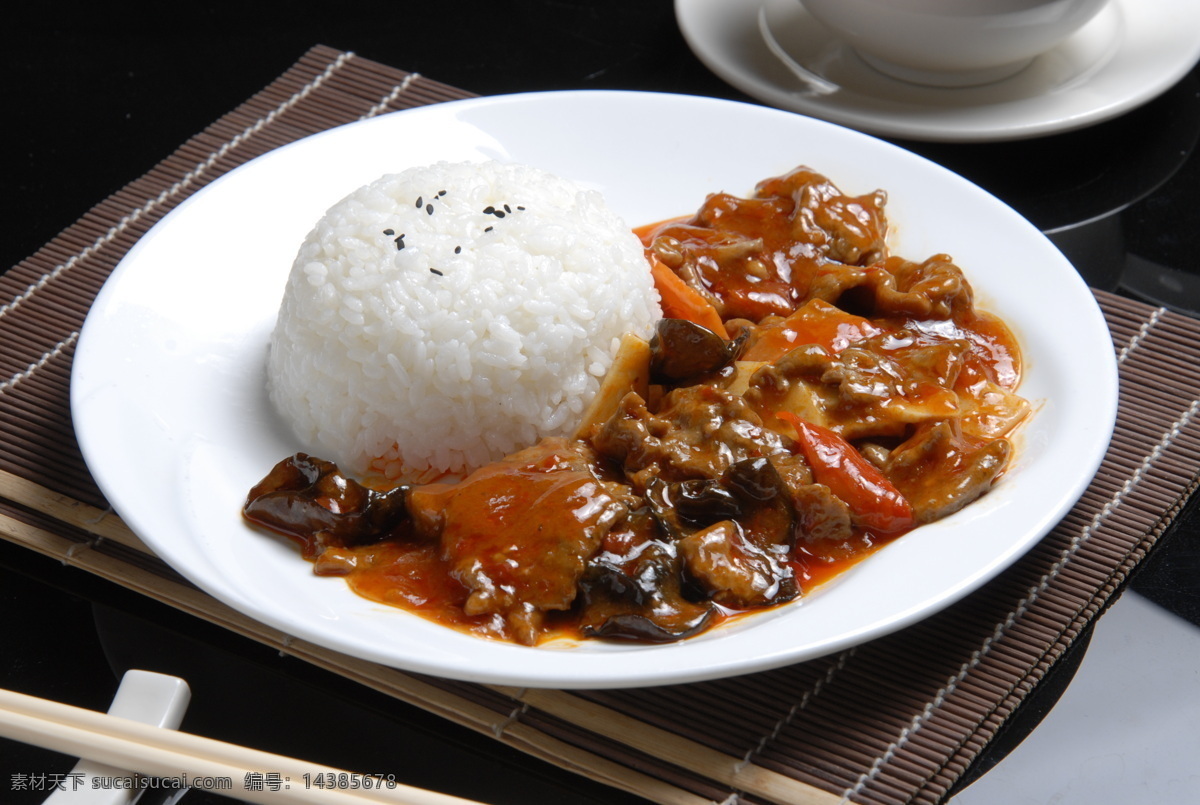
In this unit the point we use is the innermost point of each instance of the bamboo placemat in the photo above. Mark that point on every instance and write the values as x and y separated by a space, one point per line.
895 720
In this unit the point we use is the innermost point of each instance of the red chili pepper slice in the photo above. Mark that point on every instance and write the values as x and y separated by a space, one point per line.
876 504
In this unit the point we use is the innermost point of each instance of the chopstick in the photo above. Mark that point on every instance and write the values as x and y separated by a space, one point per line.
229 770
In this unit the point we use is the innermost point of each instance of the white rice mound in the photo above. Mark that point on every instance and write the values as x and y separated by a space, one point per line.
377 360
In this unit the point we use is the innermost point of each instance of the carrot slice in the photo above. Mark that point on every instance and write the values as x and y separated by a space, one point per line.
876 504
682 301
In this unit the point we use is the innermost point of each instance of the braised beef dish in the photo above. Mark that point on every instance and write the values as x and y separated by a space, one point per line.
807 398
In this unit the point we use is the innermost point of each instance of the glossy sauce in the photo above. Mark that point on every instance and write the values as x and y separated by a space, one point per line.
412 576
565 538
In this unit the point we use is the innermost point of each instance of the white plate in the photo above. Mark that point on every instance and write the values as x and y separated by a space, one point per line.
170 410
774 51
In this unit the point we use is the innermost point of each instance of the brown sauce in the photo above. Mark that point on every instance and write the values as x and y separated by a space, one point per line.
852 396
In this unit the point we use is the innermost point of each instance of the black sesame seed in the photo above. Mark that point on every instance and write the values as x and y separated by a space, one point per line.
488 229
441 192
429 209
420 202
520 208
458 249
389 231
507 208
488 210
499 213
435 271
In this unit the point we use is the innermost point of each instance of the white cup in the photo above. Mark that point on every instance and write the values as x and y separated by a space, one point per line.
952 43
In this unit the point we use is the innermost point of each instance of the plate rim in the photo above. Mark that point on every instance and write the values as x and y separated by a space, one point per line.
79 392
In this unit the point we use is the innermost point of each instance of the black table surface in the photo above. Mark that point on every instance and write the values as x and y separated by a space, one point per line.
97 94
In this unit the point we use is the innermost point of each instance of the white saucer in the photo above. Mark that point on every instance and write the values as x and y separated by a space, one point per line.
773 50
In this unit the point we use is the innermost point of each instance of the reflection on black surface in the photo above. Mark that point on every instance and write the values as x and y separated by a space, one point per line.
1162 285
1071 179
1110 217
1096 249
1169 575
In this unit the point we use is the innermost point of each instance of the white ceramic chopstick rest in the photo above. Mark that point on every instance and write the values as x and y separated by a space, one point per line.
156 699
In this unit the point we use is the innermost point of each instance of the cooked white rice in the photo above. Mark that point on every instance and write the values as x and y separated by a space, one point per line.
448 315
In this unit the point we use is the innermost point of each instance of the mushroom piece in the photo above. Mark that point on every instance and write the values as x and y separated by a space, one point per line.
310 500
681 349
640 597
